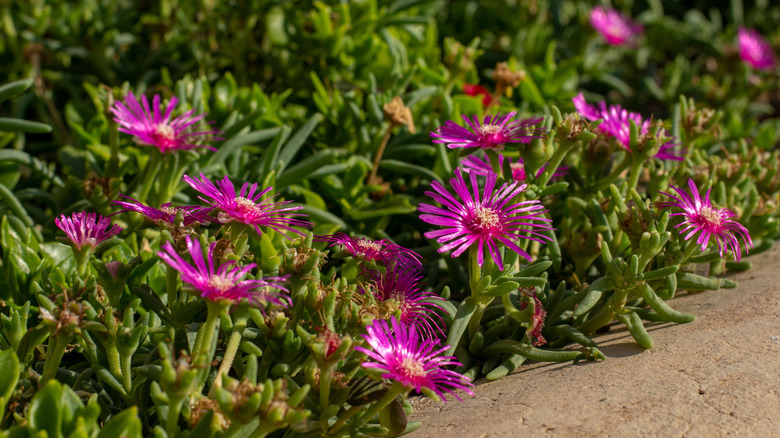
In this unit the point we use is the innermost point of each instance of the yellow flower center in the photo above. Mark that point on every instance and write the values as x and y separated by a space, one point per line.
710 215
413 367
165 131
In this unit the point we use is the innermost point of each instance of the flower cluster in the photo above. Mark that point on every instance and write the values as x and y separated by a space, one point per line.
153 128
494 132
485 220
700 216
381 251
248 207
222 282
403 357
616 122
616 28
166 214
755 50
86 229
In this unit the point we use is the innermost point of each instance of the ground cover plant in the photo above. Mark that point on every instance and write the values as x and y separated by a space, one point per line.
285 218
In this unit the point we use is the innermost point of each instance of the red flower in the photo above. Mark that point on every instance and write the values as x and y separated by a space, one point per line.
478 90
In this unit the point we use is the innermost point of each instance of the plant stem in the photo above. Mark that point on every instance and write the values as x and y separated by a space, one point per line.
380 152
171 285
54 353
392 393
475 271
230 352
344 418
150 177
174 410
126 361
636 170
206 333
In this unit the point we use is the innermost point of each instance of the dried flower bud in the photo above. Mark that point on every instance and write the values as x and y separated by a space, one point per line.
506 79
399 114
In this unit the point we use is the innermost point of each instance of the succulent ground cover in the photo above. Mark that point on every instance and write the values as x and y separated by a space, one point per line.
281 219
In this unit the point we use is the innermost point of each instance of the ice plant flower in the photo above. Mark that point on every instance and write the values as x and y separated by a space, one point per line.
755 50
222 282
398 290
481 166
700 216
166 214
616 28
486 220
494 132
617 123
86 229
381 251
478 90
152 128
398 352
247 207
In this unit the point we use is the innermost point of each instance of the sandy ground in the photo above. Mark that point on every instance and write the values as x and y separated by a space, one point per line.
716 376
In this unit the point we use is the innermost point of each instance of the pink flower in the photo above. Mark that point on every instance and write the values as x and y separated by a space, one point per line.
755 50
493 133
481 166
381 251
478 90
404 358
617 123
248 207
86 229
486 220
166 214
151 128
416 307
699 216
616 28
222 282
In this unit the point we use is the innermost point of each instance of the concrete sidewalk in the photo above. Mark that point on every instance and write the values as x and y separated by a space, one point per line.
716 376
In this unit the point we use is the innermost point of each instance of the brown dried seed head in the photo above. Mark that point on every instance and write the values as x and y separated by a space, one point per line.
399 114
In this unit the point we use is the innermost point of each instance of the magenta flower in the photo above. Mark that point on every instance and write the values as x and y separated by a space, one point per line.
616 28
414 363
247 207
414 305
481 166
484 220
87 229
222 282
755 50
699 216
616 123
151 128
493 133
382 251
166 214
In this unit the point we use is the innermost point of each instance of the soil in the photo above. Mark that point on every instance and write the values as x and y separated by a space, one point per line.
716 376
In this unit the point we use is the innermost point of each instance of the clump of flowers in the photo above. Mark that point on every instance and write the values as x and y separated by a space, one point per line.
485 220
401 356
398 291
247 207
481 166
153 128
86 229
755 50
166 214
494 132
382 251
616 122
616 28
222 282
700 216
